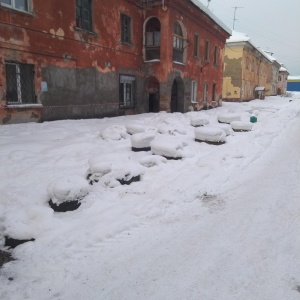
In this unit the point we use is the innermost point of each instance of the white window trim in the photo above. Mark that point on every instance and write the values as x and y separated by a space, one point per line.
13 6
194 92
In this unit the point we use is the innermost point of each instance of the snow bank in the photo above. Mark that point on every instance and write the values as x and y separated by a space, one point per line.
98 168
171 129
210 134
67 189
228 117
114 132
198 121
142 140
167 146
133 128
225 127
241 125
153 160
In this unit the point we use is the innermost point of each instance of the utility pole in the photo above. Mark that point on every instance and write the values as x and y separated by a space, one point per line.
234 19
208 1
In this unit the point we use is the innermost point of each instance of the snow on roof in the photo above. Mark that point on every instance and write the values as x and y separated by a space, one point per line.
283 69
269 55
297 77
238 37
242 37
211 15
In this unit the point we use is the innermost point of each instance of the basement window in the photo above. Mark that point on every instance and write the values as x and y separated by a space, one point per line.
19 83
126 90
23 5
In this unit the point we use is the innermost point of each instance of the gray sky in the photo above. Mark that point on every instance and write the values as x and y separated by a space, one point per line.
271 24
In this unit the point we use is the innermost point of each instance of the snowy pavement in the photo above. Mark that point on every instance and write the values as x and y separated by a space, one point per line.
222 223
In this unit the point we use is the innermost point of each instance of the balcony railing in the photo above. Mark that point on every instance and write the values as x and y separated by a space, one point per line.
152 53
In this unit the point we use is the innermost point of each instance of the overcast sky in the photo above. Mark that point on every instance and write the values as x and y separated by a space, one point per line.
271 24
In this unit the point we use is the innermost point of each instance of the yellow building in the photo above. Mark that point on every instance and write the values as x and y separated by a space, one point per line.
245 69
272 74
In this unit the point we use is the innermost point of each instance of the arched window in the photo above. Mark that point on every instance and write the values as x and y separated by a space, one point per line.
177 43
152 39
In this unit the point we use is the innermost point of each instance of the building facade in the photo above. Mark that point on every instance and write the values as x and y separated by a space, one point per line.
272 74
293 84
99 58
245 69
282 80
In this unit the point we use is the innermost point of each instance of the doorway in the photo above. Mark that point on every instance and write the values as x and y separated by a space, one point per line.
153 94
177 95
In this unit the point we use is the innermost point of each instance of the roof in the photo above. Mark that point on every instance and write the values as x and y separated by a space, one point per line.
238 37
211 15
269 55
283 69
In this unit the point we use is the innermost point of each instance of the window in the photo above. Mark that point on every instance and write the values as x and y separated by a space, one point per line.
196 45
177 43
205 93
214 89
279 78
152 39
216 56
84 14
252 65
206 53
19 83
194 91
126 90
17 4
125 29
247 63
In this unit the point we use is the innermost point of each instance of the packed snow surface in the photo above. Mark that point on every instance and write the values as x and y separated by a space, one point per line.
221 223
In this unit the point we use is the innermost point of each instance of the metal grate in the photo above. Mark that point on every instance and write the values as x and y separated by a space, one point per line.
19 83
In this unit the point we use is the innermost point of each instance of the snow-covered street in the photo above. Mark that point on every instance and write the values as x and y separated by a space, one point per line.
221 223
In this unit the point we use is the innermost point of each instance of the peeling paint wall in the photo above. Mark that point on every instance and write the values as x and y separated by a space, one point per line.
80 69
245 68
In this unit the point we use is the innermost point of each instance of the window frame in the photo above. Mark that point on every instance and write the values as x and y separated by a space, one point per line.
214 92
216 53
196 44
205 92
13 6
194 91
178 43
126 35
24 79
79 17
206 50
126 85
